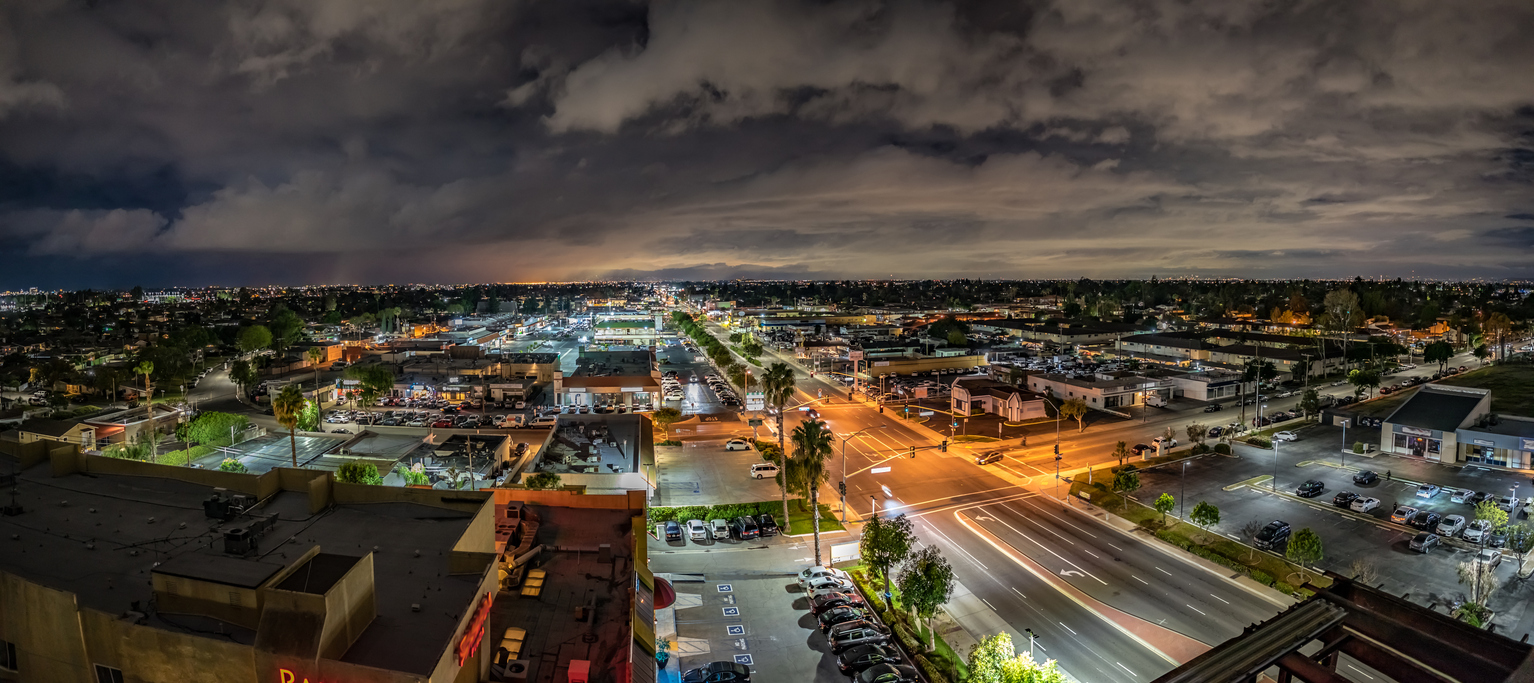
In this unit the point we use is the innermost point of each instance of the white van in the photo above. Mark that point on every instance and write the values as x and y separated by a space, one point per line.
544 422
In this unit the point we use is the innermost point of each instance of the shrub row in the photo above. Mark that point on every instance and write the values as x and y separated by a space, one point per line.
1222 448
707 512
1259 442
934 673
906 638
770 452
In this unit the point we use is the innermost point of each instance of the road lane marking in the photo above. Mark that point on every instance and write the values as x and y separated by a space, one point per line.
1019 593
1117 548
1052 552
1195 609
1066 627
1062 521
988 604
1091 553
1212 595
1163 571
961 548
1139 579
1121 666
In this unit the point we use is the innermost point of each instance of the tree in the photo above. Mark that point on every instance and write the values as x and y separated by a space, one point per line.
995 660
374 381
244 375
412 477
1121 451
146 368
1249 530
255 338
777 390
542 481
315 355
1164 504
886 543
664 417
957 339
1310 402
1498 327
1075 409
1480 353
812 447
925 584
215 427
1341 313
1205 515
358 472
1126 481
1520 539
735 337
1482 578
288 403
1489 511
1363 380
232 465
1440 352
1197 433
285 329
1364 571
1304 550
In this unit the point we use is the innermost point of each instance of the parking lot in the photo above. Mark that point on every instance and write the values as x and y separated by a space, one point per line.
1347 537
704 473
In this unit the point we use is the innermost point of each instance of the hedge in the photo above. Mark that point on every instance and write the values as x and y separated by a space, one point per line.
934 673
1358 447
1222 448
907 638
1259 442
707 512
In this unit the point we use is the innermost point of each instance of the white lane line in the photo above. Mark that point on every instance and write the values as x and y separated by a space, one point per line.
1039 645
1052 552
961 548
1062 520
1019 593
1212 595
988 604
1139 579
1090 553
1163 571
1195 609
1062 624
1117 548
1121 666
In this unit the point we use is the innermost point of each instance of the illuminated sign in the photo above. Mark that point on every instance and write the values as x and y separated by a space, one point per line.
469 643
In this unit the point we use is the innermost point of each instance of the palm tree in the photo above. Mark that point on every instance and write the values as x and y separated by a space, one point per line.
287 406
812 446
316 355
777 389
146 368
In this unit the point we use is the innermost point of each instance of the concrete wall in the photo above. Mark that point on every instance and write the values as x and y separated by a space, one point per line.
462 501
44 625
350 606
261 486
633 500
221 601
28 454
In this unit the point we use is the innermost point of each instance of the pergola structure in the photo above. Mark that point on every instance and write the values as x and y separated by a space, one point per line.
1407 642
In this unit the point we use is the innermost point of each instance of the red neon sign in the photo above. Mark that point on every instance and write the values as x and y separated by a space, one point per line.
287 676
469 643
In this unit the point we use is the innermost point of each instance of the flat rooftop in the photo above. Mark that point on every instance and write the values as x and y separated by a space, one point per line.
595 444
100 535
614 364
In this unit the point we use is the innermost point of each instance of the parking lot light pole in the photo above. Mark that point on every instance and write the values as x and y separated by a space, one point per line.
1343 458
1275 465
845 439
1182 504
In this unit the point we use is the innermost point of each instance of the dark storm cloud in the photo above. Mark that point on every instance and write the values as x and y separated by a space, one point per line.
459 140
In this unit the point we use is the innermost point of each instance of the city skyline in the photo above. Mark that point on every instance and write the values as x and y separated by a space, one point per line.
473 142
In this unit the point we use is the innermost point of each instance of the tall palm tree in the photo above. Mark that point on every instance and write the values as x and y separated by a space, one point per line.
812 447
146 368
287 406
316 355
777 390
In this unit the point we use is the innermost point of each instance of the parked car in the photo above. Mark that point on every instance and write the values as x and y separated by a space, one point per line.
839 615
1489 556
1507 503
719 672
719 528
1496 538
1286 436
1140 449
1310 489
843 637
1463 496
818 571
1403 514
856 660
828 584
744 528
1168 442
888 673
1365 478
1344 499
1451 526
1477 531
1364 504
737 445
763 470
1424 542
1424 520
1428 490
988 457
1274 536
697 531
672 531
1212 408
766 525
822 603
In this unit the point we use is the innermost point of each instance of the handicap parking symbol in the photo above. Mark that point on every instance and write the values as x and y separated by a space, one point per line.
725 588
743 659
735 630
732 611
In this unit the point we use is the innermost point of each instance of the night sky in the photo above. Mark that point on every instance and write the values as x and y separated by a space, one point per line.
376 141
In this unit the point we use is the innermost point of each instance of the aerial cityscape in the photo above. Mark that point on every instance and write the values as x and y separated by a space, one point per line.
611 341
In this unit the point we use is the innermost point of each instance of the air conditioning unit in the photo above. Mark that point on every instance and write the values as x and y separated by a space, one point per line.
239 542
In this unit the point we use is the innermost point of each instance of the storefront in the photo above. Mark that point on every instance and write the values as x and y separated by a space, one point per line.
1428 425
1509 443
1420 443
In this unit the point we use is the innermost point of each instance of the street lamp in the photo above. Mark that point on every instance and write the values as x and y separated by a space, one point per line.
843 490
1343 458
1275 465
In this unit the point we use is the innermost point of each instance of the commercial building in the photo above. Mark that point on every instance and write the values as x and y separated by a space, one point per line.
166 574
1101 391
627 379
1427 425
985 395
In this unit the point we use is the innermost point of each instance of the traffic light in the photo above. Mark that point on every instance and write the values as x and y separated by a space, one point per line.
943 447
841 487
913 451
881 410
1057 449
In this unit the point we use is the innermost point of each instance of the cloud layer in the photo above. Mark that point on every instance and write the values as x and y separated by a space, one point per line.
472 140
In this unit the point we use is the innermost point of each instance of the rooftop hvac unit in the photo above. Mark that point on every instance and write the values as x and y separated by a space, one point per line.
216 507
239 542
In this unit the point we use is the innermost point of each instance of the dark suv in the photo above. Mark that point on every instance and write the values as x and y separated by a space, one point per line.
766 525
1274 536
1425 520
744 528
1310 489
1344 499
